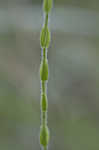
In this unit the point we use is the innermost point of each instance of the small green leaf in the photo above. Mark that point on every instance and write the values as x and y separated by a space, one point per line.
44 70
44 136
47 5
44 104
45 37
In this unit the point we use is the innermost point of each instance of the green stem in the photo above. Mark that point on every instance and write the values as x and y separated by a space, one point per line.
46 20
43 87
44 118
44 53
45 40
45 148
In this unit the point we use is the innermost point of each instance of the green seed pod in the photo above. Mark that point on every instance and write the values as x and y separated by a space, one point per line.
47 5
44 70
44 104
45 37
44 136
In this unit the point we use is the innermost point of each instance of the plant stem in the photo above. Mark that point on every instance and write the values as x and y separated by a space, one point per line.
45 40
45 148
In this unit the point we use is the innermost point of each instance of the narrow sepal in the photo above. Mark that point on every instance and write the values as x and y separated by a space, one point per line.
47 5
44 136
44 70
45 37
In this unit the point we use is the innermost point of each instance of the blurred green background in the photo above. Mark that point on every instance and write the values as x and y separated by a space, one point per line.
73 87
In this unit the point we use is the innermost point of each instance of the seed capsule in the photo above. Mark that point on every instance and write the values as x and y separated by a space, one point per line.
44 136
44 104
44 70
45 37
47 5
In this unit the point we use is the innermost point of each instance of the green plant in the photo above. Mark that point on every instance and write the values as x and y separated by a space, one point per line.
44 42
